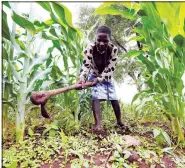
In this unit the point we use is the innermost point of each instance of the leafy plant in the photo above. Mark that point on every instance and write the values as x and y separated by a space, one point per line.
161 136
24 63
162 34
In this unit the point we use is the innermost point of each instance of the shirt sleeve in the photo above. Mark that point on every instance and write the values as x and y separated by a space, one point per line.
108 72
87 62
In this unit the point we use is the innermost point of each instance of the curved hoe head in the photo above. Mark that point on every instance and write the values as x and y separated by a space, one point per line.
38 98
44 111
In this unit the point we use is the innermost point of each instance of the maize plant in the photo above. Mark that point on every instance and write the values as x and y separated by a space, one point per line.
30 54
70 45
161 31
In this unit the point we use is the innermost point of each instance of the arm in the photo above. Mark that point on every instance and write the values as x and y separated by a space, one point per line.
108 72
86 63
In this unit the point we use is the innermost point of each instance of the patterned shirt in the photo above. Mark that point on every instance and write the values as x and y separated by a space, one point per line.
89 64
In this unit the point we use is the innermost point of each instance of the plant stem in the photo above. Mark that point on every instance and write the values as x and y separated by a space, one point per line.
20 114
179 130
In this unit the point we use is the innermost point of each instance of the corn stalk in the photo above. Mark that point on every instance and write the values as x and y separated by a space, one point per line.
162 34
30 69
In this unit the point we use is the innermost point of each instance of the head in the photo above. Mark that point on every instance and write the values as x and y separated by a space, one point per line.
103 35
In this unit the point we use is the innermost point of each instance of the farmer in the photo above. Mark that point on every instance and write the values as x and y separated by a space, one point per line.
99 63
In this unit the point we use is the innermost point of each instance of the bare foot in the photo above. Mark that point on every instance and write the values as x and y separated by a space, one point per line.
97 128
121 124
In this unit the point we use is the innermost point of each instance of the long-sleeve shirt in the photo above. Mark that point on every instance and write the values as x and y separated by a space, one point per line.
90 66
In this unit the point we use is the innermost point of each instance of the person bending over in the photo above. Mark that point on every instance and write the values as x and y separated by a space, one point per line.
99 63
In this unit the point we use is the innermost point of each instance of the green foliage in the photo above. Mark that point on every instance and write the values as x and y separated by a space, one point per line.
32 152
129 14
164 63
24 23
66 139
88 22
26 66
120 27
163 77
161 136
82 147
6 33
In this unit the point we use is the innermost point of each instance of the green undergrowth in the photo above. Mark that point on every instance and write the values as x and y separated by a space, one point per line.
65 142
51 145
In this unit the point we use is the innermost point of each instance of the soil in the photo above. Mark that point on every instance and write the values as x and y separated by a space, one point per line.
101 160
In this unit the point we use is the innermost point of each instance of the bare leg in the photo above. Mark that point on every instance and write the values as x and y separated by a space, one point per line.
96 113
117 111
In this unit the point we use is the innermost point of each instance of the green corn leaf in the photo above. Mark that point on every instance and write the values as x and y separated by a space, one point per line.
5 32
139 94
71 33
38 84
38 75
24 23
6 3
148 23
56 73
48 62
134 53
48 37
152 14
45 5
15 73
114 11
169 18
66 14
38 60
53 32
132 5
56 44
182 18
59 14
21 44
49 22
163 71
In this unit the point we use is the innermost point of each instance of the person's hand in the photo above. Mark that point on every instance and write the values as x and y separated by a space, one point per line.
82 83
95 81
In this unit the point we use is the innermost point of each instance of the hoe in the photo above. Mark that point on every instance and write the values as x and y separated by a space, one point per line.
41 98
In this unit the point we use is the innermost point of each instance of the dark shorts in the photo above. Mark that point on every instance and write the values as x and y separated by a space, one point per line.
103 90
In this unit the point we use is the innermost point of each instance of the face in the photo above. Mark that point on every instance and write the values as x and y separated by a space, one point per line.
102 41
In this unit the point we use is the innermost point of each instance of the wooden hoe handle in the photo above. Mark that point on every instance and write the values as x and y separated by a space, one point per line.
41 97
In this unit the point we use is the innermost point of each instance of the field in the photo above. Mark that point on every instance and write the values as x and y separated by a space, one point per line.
43 50
112 147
